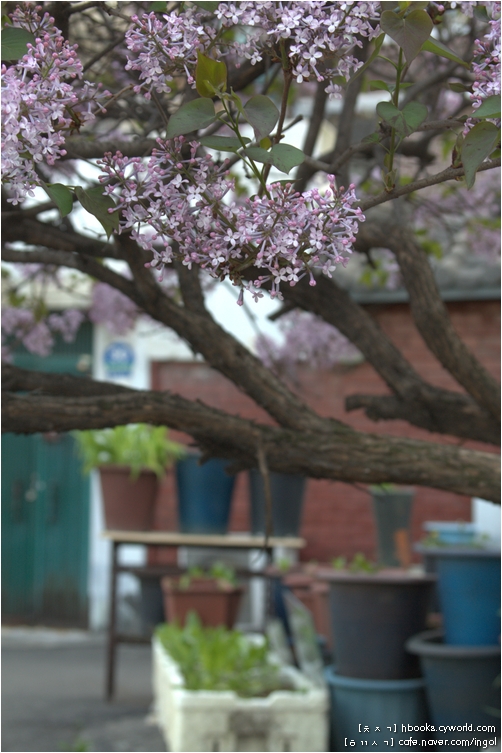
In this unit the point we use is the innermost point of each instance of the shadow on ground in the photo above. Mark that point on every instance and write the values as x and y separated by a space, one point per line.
52 695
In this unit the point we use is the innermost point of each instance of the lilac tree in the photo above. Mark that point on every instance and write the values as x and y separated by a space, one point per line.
183 112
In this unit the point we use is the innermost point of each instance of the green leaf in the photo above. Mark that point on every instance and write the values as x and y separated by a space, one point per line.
285 157
262 114
265 143
96 203
414 114
410 33
209 6
257 154
405 121
210 75
373 138
490 108
199 113
61 196
223 143
14 43
438 48
378 46
455 86
159 7
378 85
478 145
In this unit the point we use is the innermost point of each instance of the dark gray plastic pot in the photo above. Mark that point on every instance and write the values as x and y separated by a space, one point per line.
287 503
372 617
462 683
392 511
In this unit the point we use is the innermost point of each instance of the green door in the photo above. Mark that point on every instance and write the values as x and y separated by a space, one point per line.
45 513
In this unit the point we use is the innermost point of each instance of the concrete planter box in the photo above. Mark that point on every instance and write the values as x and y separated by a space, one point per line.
223 721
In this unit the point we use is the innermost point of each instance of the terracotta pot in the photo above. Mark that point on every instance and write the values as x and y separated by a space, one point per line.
215 603
128 503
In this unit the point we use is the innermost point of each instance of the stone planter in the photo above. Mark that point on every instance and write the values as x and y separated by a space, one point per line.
128 503
194 720
372 616
216 603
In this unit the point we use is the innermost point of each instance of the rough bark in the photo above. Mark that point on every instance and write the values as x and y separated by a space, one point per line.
335 453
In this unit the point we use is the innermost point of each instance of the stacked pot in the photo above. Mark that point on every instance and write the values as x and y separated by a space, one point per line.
375 682
461 663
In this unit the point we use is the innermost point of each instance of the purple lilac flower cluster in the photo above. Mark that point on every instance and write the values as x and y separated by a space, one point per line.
486 64
37 335
309 32
112 309
308 340
39 102
162 48
173 205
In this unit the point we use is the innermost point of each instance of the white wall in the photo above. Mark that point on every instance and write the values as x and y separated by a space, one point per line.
486 518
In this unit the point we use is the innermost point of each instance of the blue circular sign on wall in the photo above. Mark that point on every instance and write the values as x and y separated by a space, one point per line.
118 359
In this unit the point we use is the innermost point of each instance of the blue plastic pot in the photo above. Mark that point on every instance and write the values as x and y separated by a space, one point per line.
204 495
356 703
451 532
469 594
461 684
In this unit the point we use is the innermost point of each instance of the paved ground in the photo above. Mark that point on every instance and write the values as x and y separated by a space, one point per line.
52 694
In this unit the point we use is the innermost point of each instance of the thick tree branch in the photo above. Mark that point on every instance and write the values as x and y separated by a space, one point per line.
454 414
431 316
343 456
221 350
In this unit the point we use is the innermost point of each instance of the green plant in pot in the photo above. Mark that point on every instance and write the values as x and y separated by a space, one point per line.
217 689
213 594
131 459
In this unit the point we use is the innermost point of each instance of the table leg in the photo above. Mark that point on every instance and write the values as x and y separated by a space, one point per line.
112 642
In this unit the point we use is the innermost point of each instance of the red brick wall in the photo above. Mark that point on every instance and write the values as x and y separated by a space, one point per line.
338 517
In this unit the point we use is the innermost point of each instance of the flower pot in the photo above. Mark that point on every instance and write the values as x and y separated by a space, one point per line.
469 593
216 603
451 532
128 503
287 503
461 683
376 704
204 495
202 720
372 616
392 511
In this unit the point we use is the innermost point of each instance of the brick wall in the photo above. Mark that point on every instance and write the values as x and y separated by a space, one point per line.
338 517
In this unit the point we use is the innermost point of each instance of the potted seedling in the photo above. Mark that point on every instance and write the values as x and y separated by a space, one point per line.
216 689
131 459
214 595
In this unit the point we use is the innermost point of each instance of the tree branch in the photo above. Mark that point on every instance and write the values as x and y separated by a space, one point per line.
431 316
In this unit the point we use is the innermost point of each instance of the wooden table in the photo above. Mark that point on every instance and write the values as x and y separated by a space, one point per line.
237 541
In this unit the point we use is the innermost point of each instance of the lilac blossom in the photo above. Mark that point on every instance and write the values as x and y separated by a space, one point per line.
486 64
113 309
307 32
37 334
181 198
40 102
308 341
